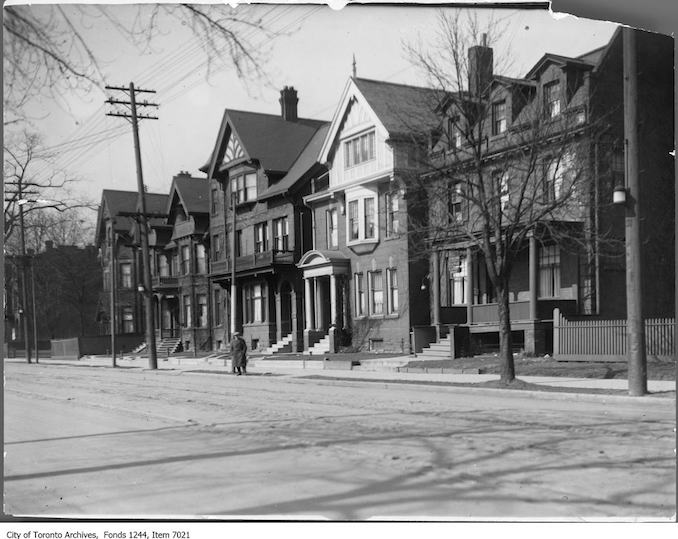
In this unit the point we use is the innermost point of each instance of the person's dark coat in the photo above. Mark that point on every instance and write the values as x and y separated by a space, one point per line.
239 352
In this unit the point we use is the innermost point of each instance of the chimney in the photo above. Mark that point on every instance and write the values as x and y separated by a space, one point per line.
480 60
288 103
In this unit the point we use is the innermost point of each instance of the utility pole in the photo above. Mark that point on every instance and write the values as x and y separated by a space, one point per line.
113 283
35 316
234 289
143 221
637 360
24 277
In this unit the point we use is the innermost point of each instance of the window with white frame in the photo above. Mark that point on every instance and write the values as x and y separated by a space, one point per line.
549 271
376 291
362 218
281 235
200 259
453 134
392 283
359 281
359 149
552 99
498 117
245 187
255 300
332 229
260 237
391 205
559 178
370 218
202 310
353 221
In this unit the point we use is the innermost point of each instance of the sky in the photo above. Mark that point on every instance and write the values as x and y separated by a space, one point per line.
314 53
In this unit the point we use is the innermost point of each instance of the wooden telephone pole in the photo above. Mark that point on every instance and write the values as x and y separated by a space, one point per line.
637 359
147 292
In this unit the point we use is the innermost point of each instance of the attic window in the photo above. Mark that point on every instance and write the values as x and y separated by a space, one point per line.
498 117
552 99
359 149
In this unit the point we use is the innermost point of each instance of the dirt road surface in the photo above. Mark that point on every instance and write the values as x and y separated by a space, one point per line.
87 441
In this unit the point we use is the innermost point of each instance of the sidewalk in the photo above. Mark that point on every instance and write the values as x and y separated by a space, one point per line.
318 367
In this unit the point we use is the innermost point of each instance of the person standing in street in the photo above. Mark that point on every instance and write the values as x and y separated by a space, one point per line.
239 353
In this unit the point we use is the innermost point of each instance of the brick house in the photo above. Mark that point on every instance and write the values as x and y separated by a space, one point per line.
362 284
180 266
125 255
258 226
580 100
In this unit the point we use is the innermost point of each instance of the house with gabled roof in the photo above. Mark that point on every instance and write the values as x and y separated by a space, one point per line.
180 267
257 172
362 282
119 252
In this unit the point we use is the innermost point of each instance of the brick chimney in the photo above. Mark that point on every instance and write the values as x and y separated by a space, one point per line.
480 60
288 103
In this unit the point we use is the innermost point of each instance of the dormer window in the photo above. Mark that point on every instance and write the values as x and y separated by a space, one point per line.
498 117
453 134
359 149
552 99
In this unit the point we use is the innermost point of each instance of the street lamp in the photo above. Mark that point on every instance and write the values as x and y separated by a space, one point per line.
619 195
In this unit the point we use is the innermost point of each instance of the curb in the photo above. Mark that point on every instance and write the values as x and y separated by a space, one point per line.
542 395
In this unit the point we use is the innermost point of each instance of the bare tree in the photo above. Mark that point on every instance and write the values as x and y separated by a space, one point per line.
47 50
32 185
494 176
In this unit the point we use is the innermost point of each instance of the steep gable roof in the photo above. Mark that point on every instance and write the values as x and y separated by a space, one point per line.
271 140
192 192
402 109
115 201
309 157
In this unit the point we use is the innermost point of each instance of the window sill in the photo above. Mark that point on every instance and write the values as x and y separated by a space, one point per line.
370 241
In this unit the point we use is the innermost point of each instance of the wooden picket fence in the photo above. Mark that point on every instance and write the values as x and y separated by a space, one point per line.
605 340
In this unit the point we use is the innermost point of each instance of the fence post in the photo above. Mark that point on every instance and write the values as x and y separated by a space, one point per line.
556 331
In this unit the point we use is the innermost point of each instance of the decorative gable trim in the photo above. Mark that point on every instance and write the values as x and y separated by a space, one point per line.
350 98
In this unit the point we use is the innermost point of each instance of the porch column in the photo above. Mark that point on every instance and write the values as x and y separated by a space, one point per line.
334 345
469 292
533 261
435 289
278 315
160 313
307 302
333 300
346 302
319 311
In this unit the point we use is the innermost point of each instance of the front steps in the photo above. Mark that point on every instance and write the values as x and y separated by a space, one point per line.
321 347
164 348
436 350
281 347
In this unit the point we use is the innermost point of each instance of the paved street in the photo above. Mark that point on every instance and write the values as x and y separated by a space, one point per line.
97 441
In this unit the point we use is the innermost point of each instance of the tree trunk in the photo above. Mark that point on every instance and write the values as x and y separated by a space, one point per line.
508 372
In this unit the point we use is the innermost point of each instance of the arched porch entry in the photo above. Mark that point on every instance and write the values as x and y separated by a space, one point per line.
325 276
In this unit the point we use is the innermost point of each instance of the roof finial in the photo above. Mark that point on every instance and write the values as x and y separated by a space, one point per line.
354 69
